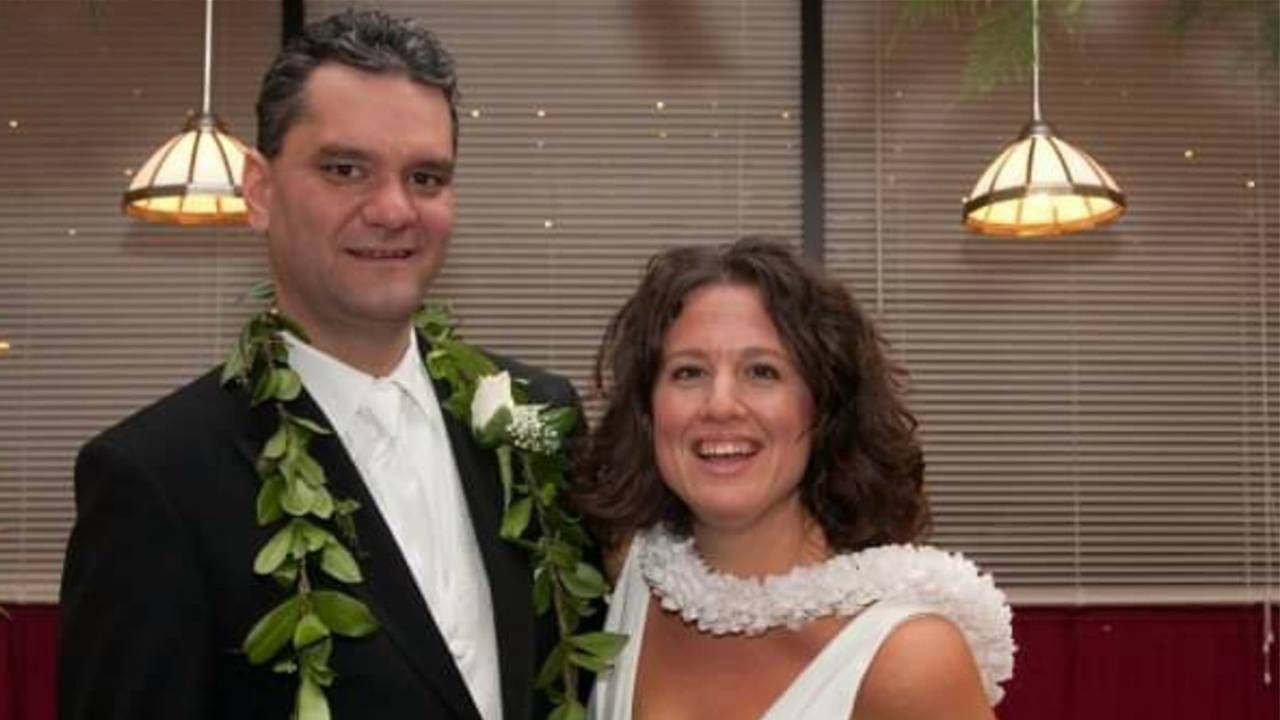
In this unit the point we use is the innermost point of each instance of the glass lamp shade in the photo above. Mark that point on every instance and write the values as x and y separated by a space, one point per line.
194 178
1040 185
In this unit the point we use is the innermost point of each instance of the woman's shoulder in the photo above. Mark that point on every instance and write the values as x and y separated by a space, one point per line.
978 621
924 668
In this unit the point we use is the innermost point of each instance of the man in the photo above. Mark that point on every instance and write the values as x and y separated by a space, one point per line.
352 185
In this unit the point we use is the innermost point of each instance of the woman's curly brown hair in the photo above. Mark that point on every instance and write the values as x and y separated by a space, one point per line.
864 483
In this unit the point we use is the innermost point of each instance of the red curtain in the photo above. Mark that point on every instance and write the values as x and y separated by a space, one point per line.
1094 663
28 645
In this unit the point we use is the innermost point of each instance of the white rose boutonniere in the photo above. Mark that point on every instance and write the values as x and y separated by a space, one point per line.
492 403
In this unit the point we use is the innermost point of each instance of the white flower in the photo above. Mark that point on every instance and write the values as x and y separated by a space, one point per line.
843 585
493 393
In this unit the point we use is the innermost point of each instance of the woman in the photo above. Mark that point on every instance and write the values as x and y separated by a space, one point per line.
752 476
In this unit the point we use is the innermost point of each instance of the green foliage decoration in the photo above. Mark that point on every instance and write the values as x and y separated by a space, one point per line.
297 635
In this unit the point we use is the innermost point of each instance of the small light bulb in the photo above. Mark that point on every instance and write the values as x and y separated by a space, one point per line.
72 232
475 113
1250 184
542 113
4 346
786 115
548 224
1189 154
660 105
662 134
13 124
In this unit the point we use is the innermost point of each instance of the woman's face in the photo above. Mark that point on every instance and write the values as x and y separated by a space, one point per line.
731 412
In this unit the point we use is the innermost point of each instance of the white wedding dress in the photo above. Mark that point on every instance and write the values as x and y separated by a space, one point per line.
828 686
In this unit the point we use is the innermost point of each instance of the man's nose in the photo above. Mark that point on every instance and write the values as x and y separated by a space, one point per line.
390 206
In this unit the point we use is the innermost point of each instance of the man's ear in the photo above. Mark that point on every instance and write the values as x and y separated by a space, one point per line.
257 190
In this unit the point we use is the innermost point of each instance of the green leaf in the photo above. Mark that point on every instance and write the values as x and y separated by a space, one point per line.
516 518
589 662
571 709
310 629
269 509
235 365
560 419
285 667
263 291
339 564
316 661
264 388
288 385
276 446
313 536
311 425
601 645
297 496
343 614
553 667
272 631
274 553
494 432
310 470
322 505
472 363
584 582
541 591
287 573
561 554
312 704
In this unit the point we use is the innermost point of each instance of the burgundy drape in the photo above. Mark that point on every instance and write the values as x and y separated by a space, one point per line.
1094 663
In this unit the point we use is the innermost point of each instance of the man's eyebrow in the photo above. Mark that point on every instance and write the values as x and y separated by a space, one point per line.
444 167
342 151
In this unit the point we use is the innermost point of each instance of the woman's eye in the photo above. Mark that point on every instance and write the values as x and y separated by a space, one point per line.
686 372
763 371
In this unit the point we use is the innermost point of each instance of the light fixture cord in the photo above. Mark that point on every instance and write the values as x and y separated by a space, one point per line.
1035 60
208 52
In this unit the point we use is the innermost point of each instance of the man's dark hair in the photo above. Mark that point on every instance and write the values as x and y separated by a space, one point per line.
368 40
863 483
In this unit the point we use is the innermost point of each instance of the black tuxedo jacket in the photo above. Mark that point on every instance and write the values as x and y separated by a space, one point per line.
158 589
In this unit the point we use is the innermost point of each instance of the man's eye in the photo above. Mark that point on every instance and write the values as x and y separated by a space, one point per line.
346 171
428 179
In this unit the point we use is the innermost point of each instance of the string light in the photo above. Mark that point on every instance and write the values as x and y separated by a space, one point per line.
660 105
475 113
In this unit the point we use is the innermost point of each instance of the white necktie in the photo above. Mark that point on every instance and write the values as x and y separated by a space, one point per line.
380 416
392 478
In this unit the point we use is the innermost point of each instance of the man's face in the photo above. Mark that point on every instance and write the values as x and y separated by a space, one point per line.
358 205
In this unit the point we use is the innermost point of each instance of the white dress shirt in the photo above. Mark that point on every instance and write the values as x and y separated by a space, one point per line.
394 431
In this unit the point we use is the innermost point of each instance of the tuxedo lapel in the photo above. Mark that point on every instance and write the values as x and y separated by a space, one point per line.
388 588
507 566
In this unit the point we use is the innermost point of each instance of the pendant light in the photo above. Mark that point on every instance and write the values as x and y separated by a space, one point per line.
1040 184
194 178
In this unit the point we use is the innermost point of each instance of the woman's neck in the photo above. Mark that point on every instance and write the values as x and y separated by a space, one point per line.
771 547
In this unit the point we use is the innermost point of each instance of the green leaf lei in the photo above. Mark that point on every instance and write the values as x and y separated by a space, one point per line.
298 633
